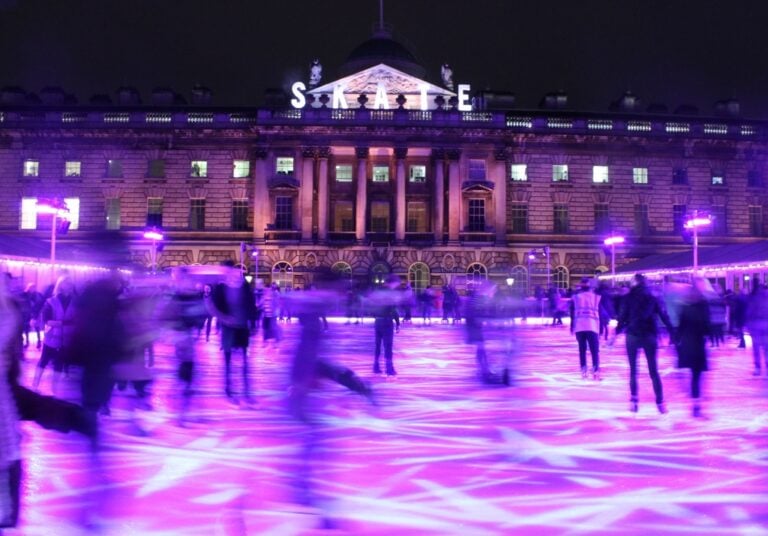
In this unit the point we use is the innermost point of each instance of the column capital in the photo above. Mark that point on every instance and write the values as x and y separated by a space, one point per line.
323 153
401 152
309 152
453 154
501 153
260 153
438 153
361 152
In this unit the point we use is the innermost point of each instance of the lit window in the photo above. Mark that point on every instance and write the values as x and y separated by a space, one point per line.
113 213
639 175
560 277
343 217
155 212
380 217
197 214
72 168
718 178
476 215
343 173
31 168
284 213
560 173
198 168
476 273
417 173
519 172
241 169
600 174
284 165
73 214
28 213
476 170
418 276
416 218
156 168
240 215
114 168
380 173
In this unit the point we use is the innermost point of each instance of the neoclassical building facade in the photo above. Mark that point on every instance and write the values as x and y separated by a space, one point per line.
381 171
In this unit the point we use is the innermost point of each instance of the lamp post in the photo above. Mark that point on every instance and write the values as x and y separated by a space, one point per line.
693 224
612 241
57 210
154 236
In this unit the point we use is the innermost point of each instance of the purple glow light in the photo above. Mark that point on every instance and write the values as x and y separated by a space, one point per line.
613 240
698 222
153 235
44 208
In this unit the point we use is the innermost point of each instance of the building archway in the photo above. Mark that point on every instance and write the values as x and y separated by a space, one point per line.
476 274
282 274
342 269
418 276
561 277
519 286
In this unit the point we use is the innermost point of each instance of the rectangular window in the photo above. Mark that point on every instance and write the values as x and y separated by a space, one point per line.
380 216
519 172
284 165
343 217
73 212
560 173
602 218
476 216
755 179
416 217
380 173
284 213
156 168
28 213
197 214
198 168
31 168
417 173
756 220
560 219
343 173
719 221
476 169
642 224
519 218
680 176
113 214
155 212
678 217
241 169
639 175
240 215
72 168
600 174
718 178
114 169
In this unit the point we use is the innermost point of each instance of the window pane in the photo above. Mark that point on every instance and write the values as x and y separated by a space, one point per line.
476 170
380 217
679 176
28 213
600 174
476 215
519 218
31 168
73 204
416 221
640 175
718 178
284 213
719 221
678 217
72 169
155 212
197 214
113 213
198 168
284 165
417 173
560 173
519 172
343 217
642 225
343 173
756 220
241 169
240 215
114 168
380 173
156 168
602 218
561 219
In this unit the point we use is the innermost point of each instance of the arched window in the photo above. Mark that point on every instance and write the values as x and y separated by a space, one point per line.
282 274
418 276
342 269
379 272
560 277
476 273
520 284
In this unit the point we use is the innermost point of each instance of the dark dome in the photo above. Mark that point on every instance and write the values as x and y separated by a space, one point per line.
381 48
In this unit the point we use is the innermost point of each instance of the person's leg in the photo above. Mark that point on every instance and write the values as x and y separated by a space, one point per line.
227 369
696 391
756 352
389 335
379 337
632 349
45 357
581 339
650 346
246 378
593 340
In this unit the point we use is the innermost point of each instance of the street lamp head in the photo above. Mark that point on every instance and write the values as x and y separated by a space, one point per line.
613 240
52 208
699 221
153 235
532 256
510 281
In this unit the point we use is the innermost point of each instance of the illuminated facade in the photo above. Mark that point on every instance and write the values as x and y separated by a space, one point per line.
382 171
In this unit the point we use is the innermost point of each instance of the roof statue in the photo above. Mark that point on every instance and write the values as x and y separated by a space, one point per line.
315 73
447 73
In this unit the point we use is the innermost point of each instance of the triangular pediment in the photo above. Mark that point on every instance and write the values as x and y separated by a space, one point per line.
395 82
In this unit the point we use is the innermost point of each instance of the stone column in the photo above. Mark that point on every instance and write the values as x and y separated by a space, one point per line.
439 202
261 213
322 193
305 193
361 180
499 177
400 205
454 196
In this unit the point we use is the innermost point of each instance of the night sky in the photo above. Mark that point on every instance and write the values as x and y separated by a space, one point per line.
672 52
